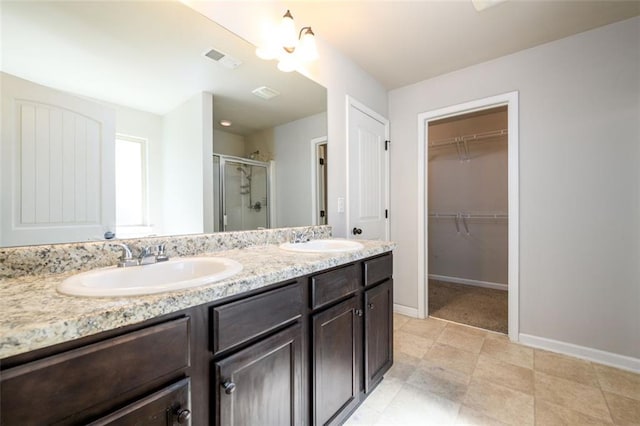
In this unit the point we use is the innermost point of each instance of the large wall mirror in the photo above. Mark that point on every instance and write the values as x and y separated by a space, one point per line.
147 118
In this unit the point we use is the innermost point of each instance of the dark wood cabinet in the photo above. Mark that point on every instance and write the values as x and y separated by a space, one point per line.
79 385
305 351
262 384
167 407
352 329
378 333
337 361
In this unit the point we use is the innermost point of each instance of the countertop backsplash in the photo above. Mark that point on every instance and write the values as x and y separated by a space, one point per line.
22 261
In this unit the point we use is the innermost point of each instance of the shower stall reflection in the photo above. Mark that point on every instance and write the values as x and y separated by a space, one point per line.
241 193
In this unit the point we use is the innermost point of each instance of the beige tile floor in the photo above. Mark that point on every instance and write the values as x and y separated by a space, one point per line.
445 373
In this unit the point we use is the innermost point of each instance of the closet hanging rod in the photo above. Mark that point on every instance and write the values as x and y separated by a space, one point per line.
468 138
470 215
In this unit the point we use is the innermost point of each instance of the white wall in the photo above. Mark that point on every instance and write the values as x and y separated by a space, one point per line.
188 165
579 182
262 141
339 74
226 143
293 168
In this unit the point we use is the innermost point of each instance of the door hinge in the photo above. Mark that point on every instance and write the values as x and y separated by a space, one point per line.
322 213
386 145
321 161
386 213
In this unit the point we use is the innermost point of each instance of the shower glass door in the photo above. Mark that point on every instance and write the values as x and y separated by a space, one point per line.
243 194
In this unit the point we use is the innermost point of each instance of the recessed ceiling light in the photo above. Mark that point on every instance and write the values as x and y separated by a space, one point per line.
225 123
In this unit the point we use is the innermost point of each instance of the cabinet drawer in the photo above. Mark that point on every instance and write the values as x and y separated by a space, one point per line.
71 382
334 285
169 406
378 269
240 321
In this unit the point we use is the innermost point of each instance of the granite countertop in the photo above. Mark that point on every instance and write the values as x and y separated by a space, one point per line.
34 315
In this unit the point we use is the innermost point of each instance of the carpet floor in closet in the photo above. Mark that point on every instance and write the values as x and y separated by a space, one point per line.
480 307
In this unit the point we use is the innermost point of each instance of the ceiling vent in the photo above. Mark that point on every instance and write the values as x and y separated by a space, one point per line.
265 92
223 59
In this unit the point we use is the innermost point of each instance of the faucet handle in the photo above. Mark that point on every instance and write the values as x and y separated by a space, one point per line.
161 256
145 251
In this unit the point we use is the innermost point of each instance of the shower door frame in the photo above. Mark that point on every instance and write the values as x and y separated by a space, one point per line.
222 188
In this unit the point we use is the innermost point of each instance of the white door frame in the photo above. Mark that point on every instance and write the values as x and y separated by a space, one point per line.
511 101
314 176
351 102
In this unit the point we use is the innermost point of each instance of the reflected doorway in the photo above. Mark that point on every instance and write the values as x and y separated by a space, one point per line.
319 158
241 193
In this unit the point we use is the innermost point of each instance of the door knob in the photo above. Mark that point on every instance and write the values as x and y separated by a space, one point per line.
229 387
356 231
183 416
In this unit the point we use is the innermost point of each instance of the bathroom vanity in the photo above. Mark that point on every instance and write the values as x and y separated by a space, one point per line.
303 345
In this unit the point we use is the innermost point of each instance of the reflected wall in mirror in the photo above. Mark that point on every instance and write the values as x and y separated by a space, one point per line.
110 119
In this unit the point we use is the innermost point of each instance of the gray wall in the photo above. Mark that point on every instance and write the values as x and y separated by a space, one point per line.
579 182
293 168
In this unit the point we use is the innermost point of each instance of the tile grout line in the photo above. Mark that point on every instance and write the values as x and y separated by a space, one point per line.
606 401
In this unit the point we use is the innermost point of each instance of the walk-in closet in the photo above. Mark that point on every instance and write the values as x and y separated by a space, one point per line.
468 220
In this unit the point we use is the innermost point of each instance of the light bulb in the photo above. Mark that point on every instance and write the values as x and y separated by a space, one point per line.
287 64
308 51
288 36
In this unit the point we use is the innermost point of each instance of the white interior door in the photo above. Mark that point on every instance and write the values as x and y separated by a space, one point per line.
58 171
368 174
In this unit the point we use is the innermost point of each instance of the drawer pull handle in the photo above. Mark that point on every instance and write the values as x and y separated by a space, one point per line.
370 305
183 416
229 387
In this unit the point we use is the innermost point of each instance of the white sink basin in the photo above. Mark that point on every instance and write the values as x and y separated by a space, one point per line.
175 274
323 246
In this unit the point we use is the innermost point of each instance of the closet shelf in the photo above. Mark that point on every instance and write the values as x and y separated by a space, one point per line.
476 137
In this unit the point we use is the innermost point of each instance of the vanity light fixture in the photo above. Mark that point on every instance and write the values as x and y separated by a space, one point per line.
225 123
288 46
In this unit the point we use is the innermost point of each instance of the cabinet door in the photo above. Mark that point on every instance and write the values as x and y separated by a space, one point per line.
262 384
337 361
170 406
378 333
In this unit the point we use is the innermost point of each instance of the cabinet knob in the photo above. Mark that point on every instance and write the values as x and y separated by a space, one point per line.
359 312
370 305
183 416
229 387
356 231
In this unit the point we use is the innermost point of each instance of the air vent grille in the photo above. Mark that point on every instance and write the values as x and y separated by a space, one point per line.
223 59
214 54
265 92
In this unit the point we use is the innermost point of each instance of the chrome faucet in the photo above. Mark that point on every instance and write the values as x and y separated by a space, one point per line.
146 256
127 258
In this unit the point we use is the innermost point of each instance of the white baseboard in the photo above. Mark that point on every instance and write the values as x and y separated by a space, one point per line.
405 310
466 281
590 354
